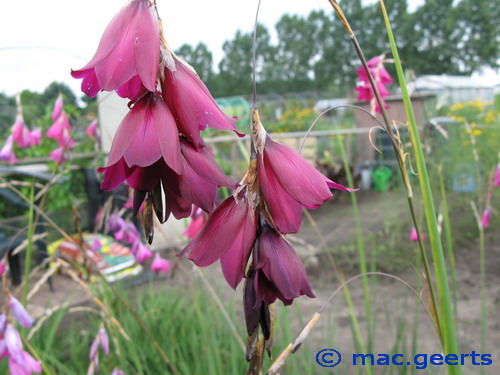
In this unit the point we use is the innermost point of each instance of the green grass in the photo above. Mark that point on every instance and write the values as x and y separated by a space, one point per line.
186 323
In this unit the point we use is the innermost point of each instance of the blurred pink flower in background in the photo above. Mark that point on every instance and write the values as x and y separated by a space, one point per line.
60 129
59 155
35 137
92 129
485 220
159 264
414 235
104 339
11 346
129 47
96 244
117 371
141 252
3 267
198 219
21 133
58 107
7 151
382 80
20 313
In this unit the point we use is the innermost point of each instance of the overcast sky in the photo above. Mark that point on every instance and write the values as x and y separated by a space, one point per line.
41 40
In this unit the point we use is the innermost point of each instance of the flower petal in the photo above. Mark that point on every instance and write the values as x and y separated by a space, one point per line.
285 210
217 236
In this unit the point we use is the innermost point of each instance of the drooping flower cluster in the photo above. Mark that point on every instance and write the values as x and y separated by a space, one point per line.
253 221
11 346
157 149
21 136
382 79
101 340
60 130
126 231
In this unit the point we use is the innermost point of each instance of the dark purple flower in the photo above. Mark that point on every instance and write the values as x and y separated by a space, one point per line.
279 271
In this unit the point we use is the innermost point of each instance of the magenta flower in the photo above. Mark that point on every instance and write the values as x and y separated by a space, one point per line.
117 371
496 181
3 324
414 235
14 344
92 129
279 271
58 107
60 129
96 244
192 104
129 47
198 219
147 150
127 233
3 349
3 267
7 151
141 252
58 155
20 313
21 133
485 220
147 138
201 177
382 80
104 340
159 264
228 235
35 137
28 366
288 183
115 222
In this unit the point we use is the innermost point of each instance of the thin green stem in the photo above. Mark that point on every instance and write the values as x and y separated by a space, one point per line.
449 241
446 310
360 243
484 296
29 246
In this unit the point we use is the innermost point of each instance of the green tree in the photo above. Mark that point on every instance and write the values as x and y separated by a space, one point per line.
235 76
478 25
200 58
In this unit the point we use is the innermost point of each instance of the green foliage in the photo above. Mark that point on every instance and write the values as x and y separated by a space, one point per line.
187 324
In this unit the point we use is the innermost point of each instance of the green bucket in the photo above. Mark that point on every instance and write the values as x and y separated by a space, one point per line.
381 177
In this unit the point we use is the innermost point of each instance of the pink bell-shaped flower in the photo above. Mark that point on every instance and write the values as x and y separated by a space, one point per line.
228 235
21 133
485 220
7 151
288 182
160 265
92 129
129 47
191 103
